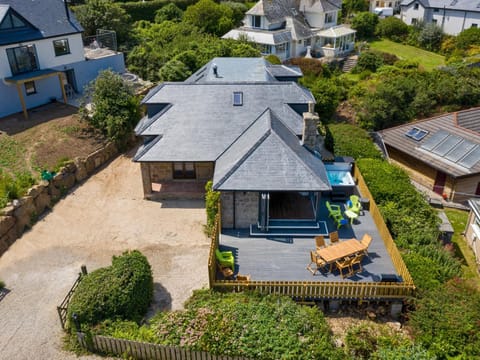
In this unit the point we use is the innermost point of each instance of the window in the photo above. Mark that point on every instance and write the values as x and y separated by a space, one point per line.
474 25
415 7
308 42
30 88
280 48
414 21
436 10
184 170
265 49
328 18
22 59
434 21
61 47
12 21
238 98
416 133
477 191
377 4
256 21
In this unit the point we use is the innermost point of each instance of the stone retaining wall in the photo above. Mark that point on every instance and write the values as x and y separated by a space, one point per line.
22 213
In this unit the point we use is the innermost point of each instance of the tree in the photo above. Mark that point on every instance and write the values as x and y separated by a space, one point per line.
115 108
365 23
468 38
392 28
169 12
103 14
353 6
430 37
210 17
368 60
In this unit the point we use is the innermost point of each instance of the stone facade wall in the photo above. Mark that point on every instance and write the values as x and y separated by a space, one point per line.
160 172
245 209
204 171
22 213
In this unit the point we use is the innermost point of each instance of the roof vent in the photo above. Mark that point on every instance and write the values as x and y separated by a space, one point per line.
215 70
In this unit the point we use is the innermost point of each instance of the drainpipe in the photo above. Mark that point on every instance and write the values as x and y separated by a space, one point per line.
234 220
66 9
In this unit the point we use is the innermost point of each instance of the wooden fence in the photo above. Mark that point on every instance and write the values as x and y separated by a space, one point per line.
305 291
144 351
63 307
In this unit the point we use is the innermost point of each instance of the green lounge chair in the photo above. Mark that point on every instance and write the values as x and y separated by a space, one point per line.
354 204
333 210
225 258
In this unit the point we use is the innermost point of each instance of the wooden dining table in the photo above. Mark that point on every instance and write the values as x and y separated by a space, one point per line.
339 250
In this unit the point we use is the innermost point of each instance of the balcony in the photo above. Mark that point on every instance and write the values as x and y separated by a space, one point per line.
103 44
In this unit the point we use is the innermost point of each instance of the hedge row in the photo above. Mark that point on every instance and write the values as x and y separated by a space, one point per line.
123 290
146 10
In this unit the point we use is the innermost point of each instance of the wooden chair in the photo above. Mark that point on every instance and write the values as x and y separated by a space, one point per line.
345 263
317 261
320 242
366 241
243 277
357 261
333 237
226 271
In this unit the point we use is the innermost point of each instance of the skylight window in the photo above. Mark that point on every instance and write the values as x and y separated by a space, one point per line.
238 98
416 134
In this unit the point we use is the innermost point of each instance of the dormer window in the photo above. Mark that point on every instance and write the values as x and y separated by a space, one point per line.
12 21
256 21
328 18
237 98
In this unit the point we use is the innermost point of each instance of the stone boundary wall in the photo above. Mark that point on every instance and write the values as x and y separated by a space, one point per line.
23 213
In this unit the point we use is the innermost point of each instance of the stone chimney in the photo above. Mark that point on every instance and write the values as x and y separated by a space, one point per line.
310 122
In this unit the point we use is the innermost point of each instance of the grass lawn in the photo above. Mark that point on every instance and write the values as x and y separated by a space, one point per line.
458 219
425 58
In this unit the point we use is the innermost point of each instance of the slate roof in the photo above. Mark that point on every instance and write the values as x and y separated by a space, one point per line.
260 36
242 70
266 157
202 121
396 138
462 5
321 5
469 119
47 17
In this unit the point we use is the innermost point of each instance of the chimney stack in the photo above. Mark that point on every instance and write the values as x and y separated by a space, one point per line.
310 122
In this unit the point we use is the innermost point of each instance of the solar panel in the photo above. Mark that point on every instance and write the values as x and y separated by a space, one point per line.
446 145
471 159
434 140
460 150
238 98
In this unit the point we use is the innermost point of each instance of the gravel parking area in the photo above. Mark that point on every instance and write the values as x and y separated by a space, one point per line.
103 217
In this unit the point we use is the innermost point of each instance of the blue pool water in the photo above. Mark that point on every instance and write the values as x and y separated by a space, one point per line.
340 177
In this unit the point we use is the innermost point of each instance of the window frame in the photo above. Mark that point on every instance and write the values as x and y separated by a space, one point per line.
329 17
415 6
237 98
254 21
10 17
12 55
30 90
183 173
67 47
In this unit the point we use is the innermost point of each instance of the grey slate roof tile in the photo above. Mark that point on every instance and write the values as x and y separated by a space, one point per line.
47 16
268 156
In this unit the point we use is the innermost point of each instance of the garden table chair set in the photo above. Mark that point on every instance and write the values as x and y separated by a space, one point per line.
345 256
353 208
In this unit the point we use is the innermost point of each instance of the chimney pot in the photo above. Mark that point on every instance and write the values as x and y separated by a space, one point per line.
311 107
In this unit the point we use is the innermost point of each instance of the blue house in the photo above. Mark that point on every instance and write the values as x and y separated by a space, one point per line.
43 56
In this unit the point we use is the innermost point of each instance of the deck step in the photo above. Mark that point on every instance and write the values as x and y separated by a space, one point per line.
294 224
290 231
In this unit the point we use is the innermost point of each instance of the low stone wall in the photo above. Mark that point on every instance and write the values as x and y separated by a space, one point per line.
23 213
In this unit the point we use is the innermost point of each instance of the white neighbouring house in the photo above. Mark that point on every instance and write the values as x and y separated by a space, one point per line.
43 57
394 4
286 28
452 16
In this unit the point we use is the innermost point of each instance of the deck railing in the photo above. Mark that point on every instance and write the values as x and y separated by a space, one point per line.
311 290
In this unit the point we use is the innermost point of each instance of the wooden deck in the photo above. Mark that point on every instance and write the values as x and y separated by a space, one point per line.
286 258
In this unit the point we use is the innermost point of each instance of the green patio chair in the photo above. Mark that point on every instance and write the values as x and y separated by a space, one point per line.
340 220
225 258
354 204
333 210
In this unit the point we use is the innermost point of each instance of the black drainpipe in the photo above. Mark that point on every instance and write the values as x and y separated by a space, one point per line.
234 221
66 9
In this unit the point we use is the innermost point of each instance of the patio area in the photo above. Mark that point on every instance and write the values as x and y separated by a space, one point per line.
282 258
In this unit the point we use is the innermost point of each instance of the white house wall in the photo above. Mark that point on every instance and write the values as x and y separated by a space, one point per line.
409 13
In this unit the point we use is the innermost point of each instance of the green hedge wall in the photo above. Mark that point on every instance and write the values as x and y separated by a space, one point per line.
123 290
146 10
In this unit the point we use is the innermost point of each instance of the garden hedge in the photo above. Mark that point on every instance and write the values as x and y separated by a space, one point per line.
123 290
146 10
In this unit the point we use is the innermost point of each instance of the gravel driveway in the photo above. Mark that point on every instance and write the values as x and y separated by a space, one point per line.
103 217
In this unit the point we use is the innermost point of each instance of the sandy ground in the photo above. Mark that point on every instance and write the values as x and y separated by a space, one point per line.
103 217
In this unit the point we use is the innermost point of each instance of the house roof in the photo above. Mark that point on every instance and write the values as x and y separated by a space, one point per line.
320 5
268 156
336 31
444 144
260 36
475 206
469 5
202 121
44 23
284 71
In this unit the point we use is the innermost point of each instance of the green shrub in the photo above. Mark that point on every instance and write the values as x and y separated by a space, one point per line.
310 67
404 352
123 290
13 187
273 59
244 324
392 28
146 10
2 284
212 199
350 140
447 321
368 60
